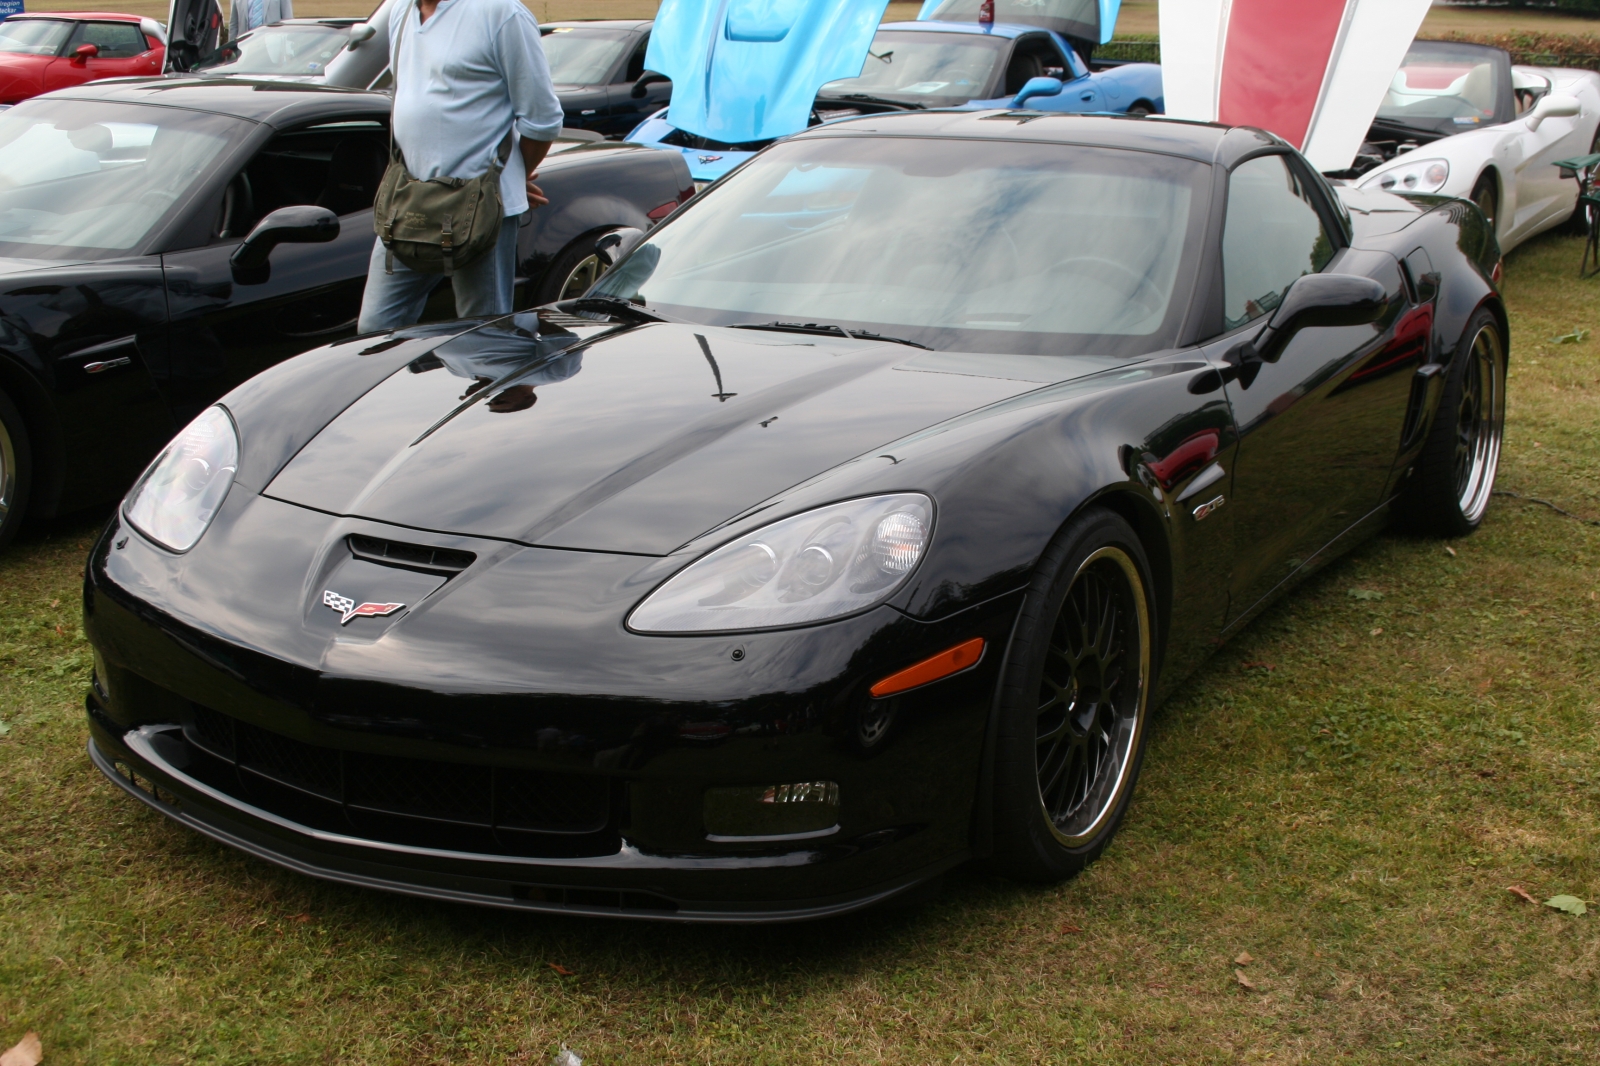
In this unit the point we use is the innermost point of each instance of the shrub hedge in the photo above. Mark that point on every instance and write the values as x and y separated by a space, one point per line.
1533 49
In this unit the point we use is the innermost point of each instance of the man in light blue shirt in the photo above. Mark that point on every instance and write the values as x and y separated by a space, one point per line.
465 72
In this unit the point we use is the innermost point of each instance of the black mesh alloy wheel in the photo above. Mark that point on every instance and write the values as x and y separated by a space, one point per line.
1073 701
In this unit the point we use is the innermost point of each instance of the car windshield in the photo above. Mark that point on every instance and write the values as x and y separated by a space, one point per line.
583 55
281 50
1002 246
934 69
34 37
92 179
1445 88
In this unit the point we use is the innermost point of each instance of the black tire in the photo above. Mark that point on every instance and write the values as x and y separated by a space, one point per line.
1486 194
1142 107
572 271
1453 478
1069 744
16 469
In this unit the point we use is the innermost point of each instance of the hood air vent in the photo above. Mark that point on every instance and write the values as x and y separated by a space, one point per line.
409 556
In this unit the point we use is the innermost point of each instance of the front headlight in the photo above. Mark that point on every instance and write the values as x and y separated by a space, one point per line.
183 489
821 564
1418 175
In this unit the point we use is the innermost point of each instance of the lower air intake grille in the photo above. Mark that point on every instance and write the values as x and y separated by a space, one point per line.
425 802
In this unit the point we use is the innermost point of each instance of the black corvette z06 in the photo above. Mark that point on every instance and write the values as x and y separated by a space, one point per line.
848 529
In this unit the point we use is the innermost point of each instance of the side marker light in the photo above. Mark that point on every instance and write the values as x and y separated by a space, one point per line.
951 661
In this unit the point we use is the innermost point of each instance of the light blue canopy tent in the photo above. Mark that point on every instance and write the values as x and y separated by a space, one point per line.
749 70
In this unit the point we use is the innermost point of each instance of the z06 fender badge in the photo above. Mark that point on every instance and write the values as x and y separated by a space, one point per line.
347 607
1206 508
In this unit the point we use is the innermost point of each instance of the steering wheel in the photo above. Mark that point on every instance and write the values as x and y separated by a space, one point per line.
1095 263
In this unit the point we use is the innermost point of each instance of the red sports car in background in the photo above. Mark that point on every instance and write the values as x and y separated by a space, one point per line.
42 52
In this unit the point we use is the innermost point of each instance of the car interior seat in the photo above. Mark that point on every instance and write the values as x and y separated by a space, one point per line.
1023 65
354 171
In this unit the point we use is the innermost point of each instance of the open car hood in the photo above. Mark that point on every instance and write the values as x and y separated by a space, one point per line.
194 33
1093 21
1314 72
748 70
637 441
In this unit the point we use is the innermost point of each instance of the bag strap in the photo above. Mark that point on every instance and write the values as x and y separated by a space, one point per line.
394 68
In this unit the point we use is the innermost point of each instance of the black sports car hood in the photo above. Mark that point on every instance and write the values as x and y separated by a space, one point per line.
636 441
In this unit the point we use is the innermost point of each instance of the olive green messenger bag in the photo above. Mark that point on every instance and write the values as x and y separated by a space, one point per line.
443 224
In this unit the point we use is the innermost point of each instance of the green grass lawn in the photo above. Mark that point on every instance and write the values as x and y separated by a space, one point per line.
1345 793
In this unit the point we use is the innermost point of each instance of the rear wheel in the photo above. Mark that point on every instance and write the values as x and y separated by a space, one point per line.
1142 107
573 271
1073 702
1453 479
15 469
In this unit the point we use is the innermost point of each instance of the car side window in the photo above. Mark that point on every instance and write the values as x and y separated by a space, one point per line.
635 69
335 164
116 40
1273 235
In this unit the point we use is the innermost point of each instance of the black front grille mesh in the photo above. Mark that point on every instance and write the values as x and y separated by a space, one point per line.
426 802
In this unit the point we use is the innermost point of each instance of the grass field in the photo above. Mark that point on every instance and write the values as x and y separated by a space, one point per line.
1344 793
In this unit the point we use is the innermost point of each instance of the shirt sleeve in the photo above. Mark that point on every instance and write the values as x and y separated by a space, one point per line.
534 106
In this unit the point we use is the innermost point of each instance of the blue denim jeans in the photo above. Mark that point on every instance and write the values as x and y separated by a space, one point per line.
392 301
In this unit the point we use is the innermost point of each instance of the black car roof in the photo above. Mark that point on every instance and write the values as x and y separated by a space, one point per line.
273 102
1202 141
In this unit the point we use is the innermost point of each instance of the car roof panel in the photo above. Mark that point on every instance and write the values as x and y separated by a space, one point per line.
273 102
1151 133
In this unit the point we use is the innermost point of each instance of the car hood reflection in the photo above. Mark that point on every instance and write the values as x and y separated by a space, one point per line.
636 441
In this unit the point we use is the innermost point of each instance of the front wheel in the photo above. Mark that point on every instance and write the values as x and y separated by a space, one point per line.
1486 194
15 469
1453 478
1073 701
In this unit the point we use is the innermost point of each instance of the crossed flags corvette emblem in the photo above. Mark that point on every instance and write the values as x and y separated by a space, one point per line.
347 607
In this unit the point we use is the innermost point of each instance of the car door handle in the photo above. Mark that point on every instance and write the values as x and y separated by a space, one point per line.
1086 97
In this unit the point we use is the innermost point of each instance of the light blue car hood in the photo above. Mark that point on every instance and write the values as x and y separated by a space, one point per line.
1091 20
749 70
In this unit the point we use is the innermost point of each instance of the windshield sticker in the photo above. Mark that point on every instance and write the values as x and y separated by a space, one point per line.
925 87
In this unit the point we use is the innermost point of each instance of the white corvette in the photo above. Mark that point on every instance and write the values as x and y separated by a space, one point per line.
1460 120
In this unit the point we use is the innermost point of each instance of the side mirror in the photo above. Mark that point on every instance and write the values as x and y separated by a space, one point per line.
650 78
1555 105
616 244
1313 300
1040 86
83 53
302 224
361 31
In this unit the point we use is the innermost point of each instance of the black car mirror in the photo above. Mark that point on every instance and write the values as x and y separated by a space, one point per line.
1320 300
301 224
616 244
649 78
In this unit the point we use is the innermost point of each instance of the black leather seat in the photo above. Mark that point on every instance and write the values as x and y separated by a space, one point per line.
354 171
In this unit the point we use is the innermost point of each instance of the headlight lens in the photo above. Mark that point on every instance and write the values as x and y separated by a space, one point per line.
822 564
1418 175
182 490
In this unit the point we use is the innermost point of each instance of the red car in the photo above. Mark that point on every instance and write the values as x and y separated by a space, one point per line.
42 52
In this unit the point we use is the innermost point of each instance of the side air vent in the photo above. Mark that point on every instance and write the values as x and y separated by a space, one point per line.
409 556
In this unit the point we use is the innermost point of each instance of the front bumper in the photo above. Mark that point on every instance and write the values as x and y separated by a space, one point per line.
680 716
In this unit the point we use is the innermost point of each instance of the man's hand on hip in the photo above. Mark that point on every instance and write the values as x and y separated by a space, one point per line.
533 153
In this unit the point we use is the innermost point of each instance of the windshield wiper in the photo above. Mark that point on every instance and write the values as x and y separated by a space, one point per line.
828 328
615 306
868 98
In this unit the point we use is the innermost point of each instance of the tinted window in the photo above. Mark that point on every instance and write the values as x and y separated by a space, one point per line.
933 69
580 55
1003 246
116 40
34 37
1273 235
93 179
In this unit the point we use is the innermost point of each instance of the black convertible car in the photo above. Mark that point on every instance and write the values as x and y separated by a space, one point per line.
126 212
848 530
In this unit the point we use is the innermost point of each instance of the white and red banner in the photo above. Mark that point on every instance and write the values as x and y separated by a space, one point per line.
1311 71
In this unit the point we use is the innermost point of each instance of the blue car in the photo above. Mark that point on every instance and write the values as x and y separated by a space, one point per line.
1031 56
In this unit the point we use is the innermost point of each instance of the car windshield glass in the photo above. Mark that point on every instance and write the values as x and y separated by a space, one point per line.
582 55
1444 88
998 246
935 69
93 179
34 37
281 50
